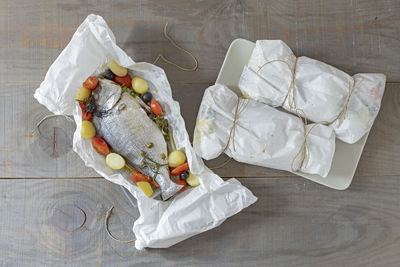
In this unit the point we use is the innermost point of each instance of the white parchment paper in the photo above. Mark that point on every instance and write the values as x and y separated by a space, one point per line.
161 224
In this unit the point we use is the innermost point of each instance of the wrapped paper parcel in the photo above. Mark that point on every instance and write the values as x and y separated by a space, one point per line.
161 223
255 133
275 76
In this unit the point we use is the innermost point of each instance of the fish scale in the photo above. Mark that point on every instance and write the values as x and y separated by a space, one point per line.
126 127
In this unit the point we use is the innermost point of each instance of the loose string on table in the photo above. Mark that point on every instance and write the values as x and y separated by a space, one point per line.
108 214
161 56
291 93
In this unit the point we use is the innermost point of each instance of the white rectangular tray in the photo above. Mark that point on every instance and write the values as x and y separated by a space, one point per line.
346 156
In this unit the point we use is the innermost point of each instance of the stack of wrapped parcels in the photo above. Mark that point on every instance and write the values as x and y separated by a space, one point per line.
252 129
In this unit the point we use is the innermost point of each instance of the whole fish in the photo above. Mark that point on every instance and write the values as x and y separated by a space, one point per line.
124 124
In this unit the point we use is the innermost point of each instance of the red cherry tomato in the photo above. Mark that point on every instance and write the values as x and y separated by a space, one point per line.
91 83
156 108
127 80
181 182
100 146
87 116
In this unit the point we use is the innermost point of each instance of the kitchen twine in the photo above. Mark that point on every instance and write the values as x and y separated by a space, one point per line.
232 131
161 56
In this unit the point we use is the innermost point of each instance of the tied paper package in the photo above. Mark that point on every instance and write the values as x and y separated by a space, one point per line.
349 104
161 223
255 133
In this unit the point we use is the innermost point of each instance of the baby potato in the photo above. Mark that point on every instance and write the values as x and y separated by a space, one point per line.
193 180
176 158
115 161
83 94
88 129
117 69
139 85
146 188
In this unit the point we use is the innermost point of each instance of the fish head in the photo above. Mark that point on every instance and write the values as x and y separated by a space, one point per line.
106 95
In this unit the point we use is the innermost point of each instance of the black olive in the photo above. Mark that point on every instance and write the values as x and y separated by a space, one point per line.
108 75
184 175
146 97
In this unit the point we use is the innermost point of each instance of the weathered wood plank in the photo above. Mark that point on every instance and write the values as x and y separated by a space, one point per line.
294 223
357 36
25 155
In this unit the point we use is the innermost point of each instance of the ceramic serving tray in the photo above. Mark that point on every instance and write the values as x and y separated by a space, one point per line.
346 156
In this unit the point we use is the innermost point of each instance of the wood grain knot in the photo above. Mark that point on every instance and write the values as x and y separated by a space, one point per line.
54 141
67 218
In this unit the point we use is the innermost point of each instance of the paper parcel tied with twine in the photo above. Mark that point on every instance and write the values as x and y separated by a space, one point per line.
161 223
349 104
255 133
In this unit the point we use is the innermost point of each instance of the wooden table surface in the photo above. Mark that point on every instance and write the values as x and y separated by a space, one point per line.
52 207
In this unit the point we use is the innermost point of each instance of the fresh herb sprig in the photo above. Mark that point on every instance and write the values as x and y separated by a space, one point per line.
151 164
128 90
162 124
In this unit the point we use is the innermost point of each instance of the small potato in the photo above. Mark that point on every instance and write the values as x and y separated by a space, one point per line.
88 129
139 85
146 188
117 69
193 180
83 94
115 161
176 158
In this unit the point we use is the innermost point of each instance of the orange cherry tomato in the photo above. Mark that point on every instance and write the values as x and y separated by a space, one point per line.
181 182
156 108
127 80
100 146
138 176
155 184
91 82
181 168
